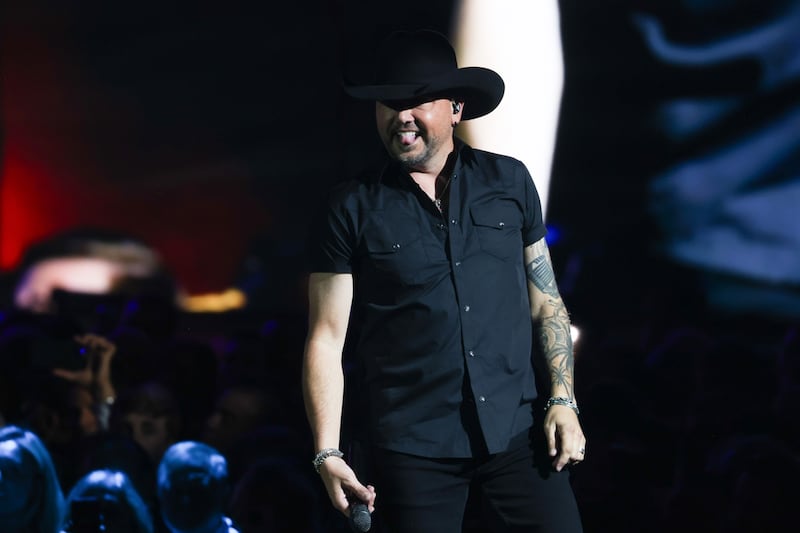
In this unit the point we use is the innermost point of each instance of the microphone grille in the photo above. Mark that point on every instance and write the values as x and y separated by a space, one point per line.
360 519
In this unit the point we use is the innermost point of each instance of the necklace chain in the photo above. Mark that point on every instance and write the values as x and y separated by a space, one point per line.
438 200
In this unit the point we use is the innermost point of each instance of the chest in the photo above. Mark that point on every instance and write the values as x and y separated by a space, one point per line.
408 241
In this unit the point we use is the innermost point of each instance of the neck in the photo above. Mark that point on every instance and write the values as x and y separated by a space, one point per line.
426 179
436 165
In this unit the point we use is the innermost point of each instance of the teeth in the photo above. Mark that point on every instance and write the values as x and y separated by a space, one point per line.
408 135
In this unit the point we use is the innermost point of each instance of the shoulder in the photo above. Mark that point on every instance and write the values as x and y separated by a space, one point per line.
373 190
469 154
350 191
493 158
495 167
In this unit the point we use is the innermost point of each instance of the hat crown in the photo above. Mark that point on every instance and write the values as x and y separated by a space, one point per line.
413 58
422 64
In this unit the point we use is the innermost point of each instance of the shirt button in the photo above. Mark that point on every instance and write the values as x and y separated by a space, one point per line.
501 224
454 221
396 246
471 353
481 399
466 309
458 263
441 226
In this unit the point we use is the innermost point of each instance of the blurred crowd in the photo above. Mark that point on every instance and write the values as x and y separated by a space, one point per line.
119 409
692 423
100 390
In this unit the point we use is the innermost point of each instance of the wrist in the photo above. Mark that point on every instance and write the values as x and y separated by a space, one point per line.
324 454
106 394
562 400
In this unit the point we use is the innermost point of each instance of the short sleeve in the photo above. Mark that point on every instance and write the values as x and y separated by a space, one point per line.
331 240
533 228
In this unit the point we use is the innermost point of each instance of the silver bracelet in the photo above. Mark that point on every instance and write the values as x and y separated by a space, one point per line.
560 400
324 454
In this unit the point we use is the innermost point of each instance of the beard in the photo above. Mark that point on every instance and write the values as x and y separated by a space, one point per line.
418 155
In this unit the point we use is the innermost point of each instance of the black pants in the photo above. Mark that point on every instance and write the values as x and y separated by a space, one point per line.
521 490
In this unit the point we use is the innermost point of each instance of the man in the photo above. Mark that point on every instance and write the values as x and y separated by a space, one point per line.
193 489
442 258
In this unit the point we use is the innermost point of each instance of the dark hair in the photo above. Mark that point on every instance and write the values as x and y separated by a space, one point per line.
44 514
192 485
106 500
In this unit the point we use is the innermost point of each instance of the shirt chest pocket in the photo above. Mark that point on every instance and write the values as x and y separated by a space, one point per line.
394 248
498 226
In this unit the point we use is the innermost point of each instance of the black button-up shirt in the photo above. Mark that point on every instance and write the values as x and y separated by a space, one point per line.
441 300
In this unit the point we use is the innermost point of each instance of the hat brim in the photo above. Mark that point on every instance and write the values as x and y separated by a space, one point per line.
481 89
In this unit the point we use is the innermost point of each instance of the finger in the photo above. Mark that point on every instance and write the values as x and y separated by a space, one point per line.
577 455
339 500
334 486
370 499
562 450
81 377
87 340
550 434
357 490
69 375
561 461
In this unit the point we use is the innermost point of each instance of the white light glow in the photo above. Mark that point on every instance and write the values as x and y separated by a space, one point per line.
521 41
75 274
575 333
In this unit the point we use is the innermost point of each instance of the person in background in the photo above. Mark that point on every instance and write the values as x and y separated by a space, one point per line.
94 378
89 262
105 500
149 413
238 411
193 489
31 500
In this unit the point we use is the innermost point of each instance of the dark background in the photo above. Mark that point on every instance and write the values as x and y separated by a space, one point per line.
209 130
212 130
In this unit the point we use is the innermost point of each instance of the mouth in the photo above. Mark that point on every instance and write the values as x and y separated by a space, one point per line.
407 138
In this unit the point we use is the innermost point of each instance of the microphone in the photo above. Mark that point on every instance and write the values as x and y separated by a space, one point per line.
360 519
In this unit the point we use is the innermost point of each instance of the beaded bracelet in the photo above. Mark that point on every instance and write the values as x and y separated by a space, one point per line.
324 454
560 400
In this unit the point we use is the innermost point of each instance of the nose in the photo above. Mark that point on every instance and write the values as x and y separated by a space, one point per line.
405 115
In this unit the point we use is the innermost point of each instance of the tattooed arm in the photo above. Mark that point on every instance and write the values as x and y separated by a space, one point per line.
550 319
552 329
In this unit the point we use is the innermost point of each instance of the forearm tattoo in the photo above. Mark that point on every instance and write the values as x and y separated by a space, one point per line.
553 327
541 274
555 340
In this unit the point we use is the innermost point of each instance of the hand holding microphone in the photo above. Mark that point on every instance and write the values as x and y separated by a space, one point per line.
360 519
345 491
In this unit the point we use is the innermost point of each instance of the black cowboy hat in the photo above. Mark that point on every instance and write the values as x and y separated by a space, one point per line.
419 64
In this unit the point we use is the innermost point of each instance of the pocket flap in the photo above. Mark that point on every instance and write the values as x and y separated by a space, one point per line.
500 215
